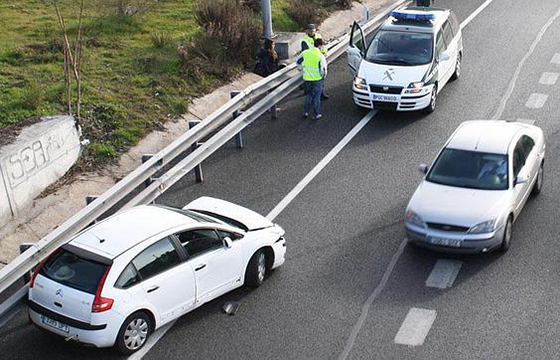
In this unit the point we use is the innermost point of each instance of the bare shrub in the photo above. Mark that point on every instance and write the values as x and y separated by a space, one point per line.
303 12
342 4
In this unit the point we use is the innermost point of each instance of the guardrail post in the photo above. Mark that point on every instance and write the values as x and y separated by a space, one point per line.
146 157
239 135
22 248
198 169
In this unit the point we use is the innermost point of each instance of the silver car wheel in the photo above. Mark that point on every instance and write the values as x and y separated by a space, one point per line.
507 235
458 67
135 334
540 178
261 269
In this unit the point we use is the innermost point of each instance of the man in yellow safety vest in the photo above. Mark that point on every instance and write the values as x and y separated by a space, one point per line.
314 67
308 42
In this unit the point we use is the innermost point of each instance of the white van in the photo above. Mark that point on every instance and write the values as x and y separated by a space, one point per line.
411 57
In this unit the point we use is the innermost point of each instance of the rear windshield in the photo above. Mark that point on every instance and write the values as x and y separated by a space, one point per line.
71 270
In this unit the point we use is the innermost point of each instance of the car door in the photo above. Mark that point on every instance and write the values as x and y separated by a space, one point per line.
451 48
217 268
520 170
168 283
356 48
443 60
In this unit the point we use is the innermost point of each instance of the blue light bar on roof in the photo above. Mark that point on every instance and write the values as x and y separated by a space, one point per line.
401 15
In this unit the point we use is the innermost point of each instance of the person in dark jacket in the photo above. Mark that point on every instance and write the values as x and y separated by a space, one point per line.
268 60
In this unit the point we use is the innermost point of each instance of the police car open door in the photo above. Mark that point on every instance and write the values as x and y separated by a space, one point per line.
357 47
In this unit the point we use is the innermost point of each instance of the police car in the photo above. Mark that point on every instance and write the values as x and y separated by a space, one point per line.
411 57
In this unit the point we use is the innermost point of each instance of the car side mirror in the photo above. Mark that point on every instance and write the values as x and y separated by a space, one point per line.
444 56
228 242
521 180
423 168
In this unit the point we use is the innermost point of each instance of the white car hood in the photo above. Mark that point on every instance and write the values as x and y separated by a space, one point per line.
457 206
249 218
402 75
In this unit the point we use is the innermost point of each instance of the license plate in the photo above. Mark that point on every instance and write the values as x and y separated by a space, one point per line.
386 98
444 242
55 324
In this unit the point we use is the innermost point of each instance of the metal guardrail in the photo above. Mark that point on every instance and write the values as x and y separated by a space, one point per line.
283 82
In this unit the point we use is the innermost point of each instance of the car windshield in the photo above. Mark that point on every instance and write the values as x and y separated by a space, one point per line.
470 169
401 48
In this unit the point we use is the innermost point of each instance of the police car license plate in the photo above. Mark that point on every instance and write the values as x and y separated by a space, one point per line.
434 240
55 324
386 98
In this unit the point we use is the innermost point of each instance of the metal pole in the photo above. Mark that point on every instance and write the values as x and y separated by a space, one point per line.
267 19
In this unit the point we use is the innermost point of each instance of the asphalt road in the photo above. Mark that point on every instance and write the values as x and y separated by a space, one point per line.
345 228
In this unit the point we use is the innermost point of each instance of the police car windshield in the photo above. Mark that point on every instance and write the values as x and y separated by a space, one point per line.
400 48
470 169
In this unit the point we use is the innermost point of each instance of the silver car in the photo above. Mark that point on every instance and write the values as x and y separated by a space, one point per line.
476 187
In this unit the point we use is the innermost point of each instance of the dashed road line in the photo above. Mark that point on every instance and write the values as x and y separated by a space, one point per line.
536 101
415 327
513 81
444 273
548 78
555 59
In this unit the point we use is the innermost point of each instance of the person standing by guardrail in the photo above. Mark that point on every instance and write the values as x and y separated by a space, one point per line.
267 65
314 66
308 42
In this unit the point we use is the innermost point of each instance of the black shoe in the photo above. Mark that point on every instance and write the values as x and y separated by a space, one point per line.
305 115
324 96
318 116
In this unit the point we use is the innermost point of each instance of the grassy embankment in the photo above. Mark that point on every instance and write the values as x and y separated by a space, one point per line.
133 78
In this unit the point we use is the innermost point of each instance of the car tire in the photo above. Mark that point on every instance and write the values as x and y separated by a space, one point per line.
506 241
134 333
457 72
432 106
256 269
539 183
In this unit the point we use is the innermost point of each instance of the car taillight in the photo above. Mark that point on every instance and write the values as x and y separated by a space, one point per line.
101 304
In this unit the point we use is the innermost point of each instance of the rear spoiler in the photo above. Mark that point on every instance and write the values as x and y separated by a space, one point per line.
87 254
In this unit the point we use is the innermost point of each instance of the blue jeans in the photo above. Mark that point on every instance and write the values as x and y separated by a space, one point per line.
313 96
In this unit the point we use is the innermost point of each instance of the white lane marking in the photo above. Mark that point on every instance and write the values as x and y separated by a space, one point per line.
320 166
415 327
548 78
527 121
513 81
555 59
475 13
158 334
152 340
536 101
444 273
365 308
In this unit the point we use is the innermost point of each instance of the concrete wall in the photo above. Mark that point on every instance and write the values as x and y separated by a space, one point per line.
41 154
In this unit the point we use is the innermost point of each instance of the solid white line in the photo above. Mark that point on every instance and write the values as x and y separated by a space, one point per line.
549 78
365 308
444 273
415 327
320 166
152 340
158 334
536 101
475 13
555 59
513 81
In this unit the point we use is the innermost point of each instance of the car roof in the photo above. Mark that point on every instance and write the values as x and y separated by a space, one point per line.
489 136
118 233
418 26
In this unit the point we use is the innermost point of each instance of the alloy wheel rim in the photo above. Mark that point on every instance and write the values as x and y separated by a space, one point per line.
434 97
508 233
261 267
540 179
135 334
458 66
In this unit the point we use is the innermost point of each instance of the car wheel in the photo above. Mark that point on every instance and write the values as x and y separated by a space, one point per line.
539 183
134 333
506 241
256 270
457 72
432 107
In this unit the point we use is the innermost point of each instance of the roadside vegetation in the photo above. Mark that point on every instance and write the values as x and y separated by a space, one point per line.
142 60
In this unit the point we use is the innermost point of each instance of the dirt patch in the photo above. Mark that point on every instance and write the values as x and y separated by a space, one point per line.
9 133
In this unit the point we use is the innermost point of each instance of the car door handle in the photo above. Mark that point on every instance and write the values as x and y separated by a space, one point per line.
200 267
152 289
